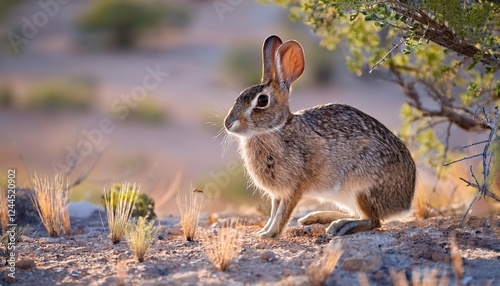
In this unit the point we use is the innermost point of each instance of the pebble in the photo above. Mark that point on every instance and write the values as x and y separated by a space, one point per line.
80 230
267 255
361 257
25 264
25 238
47 240
74 274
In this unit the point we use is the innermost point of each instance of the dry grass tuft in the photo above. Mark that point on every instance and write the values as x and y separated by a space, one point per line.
223 245
319 271
419 203
4 210
456 258
427 277
399 278
140 237
50 198
363 279
66 223
121 272
119 212
190 213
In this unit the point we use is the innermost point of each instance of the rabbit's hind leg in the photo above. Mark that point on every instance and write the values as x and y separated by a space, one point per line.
322 217
350 226
274 206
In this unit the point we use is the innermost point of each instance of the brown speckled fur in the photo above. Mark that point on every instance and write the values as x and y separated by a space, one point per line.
333 151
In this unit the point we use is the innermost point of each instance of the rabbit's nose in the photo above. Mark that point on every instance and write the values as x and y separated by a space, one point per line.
228 123
231 124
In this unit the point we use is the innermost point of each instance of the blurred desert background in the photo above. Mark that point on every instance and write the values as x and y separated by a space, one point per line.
160 94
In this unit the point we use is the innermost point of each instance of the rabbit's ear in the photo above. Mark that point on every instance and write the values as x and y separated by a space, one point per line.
271 45
290 63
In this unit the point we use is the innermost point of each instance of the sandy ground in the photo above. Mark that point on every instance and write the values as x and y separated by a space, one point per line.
89 258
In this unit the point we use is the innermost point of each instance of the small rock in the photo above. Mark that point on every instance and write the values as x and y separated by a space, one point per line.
475 222
25 238
74 274
25 264
46 240
82 209
259 246
440 257
301 231
361 257
80 230
324 238
85 249
267 255
175 231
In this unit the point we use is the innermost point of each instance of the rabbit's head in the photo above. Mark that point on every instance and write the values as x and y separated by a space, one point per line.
264 108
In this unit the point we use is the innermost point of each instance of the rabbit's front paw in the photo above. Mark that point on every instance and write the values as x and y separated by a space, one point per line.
262 230
269 234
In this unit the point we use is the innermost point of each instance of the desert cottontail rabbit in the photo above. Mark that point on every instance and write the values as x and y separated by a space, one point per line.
332 152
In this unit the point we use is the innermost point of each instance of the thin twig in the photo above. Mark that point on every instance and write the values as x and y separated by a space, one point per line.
386 55
474 144
464 158
487 155
468 209
84 175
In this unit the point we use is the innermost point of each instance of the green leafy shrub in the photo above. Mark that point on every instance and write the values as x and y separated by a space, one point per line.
60 95
144 205
125 18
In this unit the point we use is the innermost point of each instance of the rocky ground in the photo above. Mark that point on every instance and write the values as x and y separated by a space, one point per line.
88 257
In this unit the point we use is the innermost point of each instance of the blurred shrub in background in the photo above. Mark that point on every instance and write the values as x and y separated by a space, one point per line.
243 64
6 96
5 5
144 205
321 63
148 111
61 94
124 19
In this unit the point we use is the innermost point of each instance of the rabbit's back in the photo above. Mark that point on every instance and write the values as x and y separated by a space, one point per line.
363 156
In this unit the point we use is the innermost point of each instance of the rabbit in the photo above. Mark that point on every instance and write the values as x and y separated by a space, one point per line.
332 152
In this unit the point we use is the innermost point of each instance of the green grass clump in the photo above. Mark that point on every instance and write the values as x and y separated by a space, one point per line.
140 236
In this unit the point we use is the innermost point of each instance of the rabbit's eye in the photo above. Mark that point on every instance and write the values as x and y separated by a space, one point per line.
262 101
